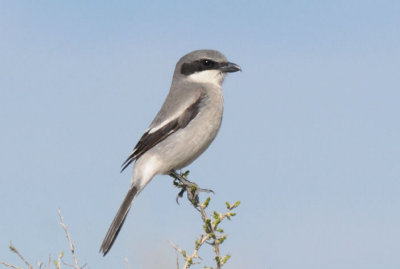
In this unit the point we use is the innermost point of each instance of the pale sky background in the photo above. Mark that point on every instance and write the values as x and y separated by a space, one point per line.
310 142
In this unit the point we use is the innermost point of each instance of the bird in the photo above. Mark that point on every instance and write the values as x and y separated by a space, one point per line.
183 129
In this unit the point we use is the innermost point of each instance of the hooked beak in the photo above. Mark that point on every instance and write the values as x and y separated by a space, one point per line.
228 67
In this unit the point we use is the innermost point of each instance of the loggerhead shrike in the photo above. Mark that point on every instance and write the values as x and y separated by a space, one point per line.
183 129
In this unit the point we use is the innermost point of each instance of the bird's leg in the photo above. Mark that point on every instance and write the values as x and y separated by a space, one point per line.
191 188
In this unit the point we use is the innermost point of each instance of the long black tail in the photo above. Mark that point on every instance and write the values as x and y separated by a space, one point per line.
118 221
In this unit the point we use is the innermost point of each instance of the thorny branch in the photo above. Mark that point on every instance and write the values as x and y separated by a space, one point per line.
212 235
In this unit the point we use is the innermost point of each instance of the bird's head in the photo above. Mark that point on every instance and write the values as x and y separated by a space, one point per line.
205 66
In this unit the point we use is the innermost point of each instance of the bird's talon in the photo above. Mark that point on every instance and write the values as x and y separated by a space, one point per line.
192 189
180 195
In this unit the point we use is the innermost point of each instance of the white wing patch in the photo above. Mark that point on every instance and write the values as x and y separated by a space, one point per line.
162 124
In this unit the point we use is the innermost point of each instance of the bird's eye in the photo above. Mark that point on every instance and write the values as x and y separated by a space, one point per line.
207 63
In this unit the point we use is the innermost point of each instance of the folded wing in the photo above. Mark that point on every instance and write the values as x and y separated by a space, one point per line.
156 134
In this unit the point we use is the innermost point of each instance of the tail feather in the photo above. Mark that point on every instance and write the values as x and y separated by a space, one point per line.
118 221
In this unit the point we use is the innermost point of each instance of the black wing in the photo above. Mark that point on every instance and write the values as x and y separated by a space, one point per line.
149 140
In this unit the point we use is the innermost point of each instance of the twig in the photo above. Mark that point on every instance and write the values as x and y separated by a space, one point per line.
127 263
177 251
10 265
189 260
212 234
13 249
58 261
71 244
48 265
177 261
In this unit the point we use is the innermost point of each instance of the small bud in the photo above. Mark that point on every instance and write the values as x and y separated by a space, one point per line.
186 174
236 204
217 215
222 239
206 202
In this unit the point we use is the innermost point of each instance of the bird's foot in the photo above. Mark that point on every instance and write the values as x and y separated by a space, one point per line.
191 188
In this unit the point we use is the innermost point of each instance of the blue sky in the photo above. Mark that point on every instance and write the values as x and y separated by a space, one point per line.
309 142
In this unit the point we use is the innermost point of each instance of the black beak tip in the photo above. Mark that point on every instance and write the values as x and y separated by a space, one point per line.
230 68
237 68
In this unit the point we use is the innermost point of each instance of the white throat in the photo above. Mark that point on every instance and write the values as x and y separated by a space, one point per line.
208 76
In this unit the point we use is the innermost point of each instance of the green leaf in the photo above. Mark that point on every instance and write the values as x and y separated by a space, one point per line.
225 259
216 222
